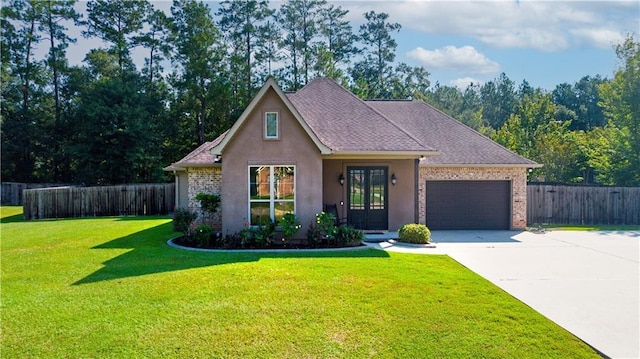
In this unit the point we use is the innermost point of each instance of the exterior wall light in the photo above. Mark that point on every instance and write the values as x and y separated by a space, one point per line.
341 179
394 180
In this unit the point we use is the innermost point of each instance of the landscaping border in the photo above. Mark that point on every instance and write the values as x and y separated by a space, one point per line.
291 250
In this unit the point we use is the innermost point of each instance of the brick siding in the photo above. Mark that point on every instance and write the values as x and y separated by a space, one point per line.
206 180
517 176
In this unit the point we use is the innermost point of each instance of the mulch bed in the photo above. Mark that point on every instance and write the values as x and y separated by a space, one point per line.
187 241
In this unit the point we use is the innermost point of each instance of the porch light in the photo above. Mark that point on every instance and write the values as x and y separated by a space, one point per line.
341 179
394 180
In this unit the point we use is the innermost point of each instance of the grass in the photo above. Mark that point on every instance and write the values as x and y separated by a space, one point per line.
587 227
111 287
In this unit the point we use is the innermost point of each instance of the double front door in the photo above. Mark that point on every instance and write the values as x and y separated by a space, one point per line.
367 197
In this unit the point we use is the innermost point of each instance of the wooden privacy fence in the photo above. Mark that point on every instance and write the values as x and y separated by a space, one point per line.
12 191
559 204
125 200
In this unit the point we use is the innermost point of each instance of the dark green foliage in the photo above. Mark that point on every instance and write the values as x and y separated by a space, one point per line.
208 201
203 235
109 121
414 233
182 219
348 236
289 224
324 230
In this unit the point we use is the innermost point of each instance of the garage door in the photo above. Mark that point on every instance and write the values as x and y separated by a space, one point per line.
468 204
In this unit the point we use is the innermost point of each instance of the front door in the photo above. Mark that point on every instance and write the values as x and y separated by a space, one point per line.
367 198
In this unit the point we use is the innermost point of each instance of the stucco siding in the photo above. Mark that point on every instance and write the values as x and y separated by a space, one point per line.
249 147
517 177
401 196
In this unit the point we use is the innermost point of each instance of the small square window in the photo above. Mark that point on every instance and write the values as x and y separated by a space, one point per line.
271 125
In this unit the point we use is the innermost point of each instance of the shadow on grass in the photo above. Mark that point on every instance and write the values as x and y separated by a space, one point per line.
12 219
150 254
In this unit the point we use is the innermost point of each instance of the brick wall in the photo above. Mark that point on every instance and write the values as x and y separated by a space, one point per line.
517 176
206 180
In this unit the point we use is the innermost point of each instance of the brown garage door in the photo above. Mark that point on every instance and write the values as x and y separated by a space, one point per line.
468 204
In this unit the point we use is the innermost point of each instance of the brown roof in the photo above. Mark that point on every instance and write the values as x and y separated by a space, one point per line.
345 123
201 156
340 122
457 143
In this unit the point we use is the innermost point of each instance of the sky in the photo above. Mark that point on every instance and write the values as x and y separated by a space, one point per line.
459 42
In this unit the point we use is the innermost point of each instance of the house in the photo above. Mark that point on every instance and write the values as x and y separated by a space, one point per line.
383 163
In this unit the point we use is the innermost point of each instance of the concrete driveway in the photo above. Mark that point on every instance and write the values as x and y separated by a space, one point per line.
587 282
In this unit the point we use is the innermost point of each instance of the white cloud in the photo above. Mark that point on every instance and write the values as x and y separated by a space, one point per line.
602 38
464 82
540 25
465 59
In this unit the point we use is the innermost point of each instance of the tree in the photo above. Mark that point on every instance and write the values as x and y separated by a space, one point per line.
581 101
156 39
379 51
621 105
117 23
242 22
23 85
408 82
298 20
533 132
337 34
198 78
498 100
267 49
54 12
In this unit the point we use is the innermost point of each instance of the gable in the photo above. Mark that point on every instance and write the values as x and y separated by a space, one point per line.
252 140
272 87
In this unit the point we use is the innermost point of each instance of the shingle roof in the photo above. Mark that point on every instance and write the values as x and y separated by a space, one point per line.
345 123
339 122
457 143
200 156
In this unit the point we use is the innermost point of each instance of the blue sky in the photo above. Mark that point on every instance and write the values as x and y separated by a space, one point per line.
458 42
544 42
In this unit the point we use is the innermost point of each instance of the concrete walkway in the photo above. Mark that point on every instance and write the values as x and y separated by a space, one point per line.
587 282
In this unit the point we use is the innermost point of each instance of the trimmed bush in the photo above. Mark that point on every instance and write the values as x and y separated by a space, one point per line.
414 233
208 201
182 219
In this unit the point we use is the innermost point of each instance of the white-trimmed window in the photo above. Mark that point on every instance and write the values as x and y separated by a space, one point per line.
272 193
271 125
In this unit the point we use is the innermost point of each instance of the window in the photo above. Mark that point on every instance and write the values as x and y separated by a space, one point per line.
271 193
271 125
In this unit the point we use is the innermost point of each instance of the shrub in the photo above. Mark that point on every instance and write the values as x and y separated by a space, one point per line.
202 235
263 234
326 225
182 219
208 201
414 233
349 236
290 225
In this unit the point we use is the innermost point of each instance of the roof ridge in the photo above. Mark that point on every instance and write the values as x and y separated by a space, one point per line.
474 131
364 102
405 131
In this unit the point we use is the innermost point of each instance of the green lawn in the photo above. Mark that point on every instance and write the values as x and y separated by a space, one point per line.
111 287
590 227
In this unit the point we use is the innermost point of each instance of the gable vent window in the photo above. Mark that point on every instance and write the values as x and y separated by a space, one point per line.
271 125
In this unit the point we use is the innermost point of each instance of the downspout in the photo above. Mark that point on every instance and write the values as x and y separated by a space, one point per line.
177 189
416 205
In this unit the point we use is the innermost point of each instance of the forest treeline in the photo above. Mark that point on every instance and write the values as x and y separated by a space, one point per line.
108 121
